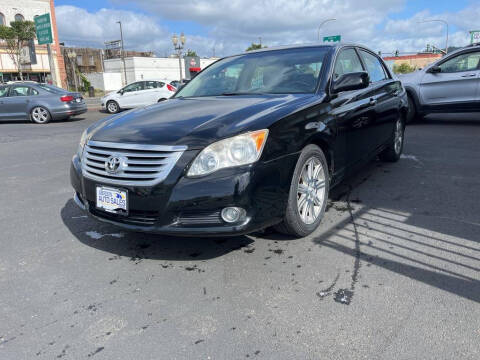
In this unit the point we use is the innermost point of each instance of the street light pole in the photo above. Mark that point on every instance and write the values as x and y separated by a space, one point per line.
443 22
178 45
323 23
123 53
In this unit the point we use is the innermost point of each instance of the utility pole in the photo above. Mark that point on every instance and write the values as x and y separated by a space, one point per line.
123 52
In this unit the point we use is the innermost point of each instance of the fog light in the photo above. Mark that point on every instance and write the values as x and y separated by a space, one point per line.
233 214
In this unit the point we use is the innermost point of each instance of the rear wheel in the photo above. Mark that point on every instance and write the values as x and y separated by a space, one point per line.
40 115
394 150
112 107
308 194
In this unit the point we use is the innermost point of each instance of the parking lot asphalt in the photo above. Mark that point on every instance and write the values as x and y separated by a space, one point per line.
392 273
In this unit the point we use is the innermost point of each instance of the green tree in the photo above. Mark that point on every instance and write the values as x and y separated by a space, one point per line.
191 53
403 68
255 47
16 37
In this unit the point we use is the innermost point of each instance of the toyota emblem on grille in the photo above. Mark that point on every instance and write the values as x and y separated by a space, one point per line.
113 164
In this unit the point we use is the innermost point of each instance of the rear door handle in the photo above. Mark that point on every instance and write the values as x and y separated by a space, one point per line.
469 75
373 102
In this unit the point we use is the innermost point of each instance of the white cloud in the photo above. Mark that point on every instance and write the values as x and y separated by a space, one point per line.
231 25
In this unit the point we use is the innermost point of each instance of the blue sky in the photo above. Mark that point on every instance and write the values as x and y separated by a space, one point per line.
231 25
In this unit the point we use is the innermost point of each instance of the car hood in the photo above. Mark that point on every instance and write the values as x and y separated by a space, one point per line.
197 122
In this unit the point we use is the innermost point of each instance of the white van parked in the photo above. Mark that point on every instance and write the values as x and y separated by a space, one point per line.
139 93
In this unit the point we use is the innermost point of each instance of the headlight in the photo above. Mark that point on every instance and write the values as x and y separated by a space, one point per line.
82 143
239 150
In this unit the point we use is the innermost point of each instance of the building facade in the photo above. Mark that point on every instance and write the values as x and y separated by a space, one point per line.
416 61
39 70
143 68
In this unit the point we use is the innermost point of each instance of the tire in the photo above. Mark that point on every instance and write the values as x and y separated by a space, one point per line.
112 107
395 147
40 115
297 221
413 115
412 110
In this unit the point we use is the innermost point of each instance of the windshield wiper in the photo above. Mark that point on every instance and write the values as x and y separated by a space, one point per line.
240 93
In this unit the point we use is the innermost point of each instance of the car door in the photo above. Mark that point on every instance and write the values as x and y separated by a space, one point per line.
130 95
354 113
16 103
153 92
384 93
456 85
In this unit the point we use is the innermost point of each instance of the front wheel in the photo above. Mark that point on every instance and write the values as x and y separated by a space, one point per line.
40 115
308 194
395 147
112 107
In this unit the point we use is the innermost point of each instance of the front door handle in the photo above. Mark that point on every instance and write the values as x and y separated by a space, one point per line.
372 102
469 75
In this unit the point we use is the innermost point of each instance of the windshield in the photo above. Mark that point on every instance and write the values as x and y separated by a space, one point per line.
288 71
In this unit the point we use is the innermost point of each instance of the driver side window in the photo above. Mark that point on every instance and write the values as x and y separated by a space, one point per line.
133 87
463 62
347 62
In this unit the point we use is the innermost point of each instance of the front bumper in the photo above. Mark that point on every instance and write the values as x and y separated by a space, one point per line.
184 206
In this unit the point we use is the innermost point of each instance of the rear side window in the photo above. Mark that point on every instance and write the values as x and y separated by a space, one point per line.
347 62
374 67
463 62
153 84
3 91
19 90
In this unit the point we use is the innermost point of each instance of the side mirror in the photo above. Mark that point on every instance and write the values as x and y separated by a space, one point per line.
120 92
351 81
434 70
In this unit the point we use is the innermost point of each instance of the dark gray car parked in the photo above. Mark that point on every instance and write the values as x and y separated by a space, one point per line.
39 103
450 85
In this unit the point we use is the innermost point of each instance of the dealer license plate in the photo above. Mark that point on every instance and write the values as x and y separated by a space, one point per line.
112 200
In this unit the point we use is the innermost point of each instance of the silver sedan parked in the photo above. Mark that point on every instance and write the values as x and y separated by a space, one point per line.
39 103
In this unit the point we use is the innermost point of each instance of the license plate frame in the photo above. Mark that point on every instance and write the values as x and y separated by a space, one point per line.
104 202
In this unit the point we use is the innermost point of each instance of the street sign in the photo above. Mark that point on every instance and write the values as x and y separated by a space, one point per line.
474 36
334 38
43 28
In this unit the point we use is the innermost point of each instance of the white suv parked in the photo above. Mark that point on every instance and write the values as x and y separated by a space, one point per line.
139 93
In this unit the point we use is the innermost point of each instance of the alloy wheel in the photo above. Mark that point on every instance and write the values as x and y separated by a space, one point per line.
112 107
40 115
311 191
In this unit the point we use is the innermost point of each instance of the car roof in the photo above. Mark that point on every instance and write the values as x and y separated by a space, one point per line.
335 45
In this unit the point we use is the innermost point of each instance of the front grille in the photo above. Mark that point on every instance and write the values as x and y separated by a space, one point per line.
140 165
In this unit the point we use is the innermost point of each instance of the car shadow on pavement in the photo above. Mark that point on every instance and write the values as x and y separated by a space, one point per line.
136 245
437 251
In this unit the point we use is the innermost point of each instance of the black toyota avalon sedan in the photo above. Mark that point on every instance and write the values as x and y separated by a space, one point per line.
255 140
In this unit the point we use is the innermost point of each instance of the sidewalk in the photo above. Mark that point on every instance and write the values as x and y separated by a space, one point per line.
93 103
